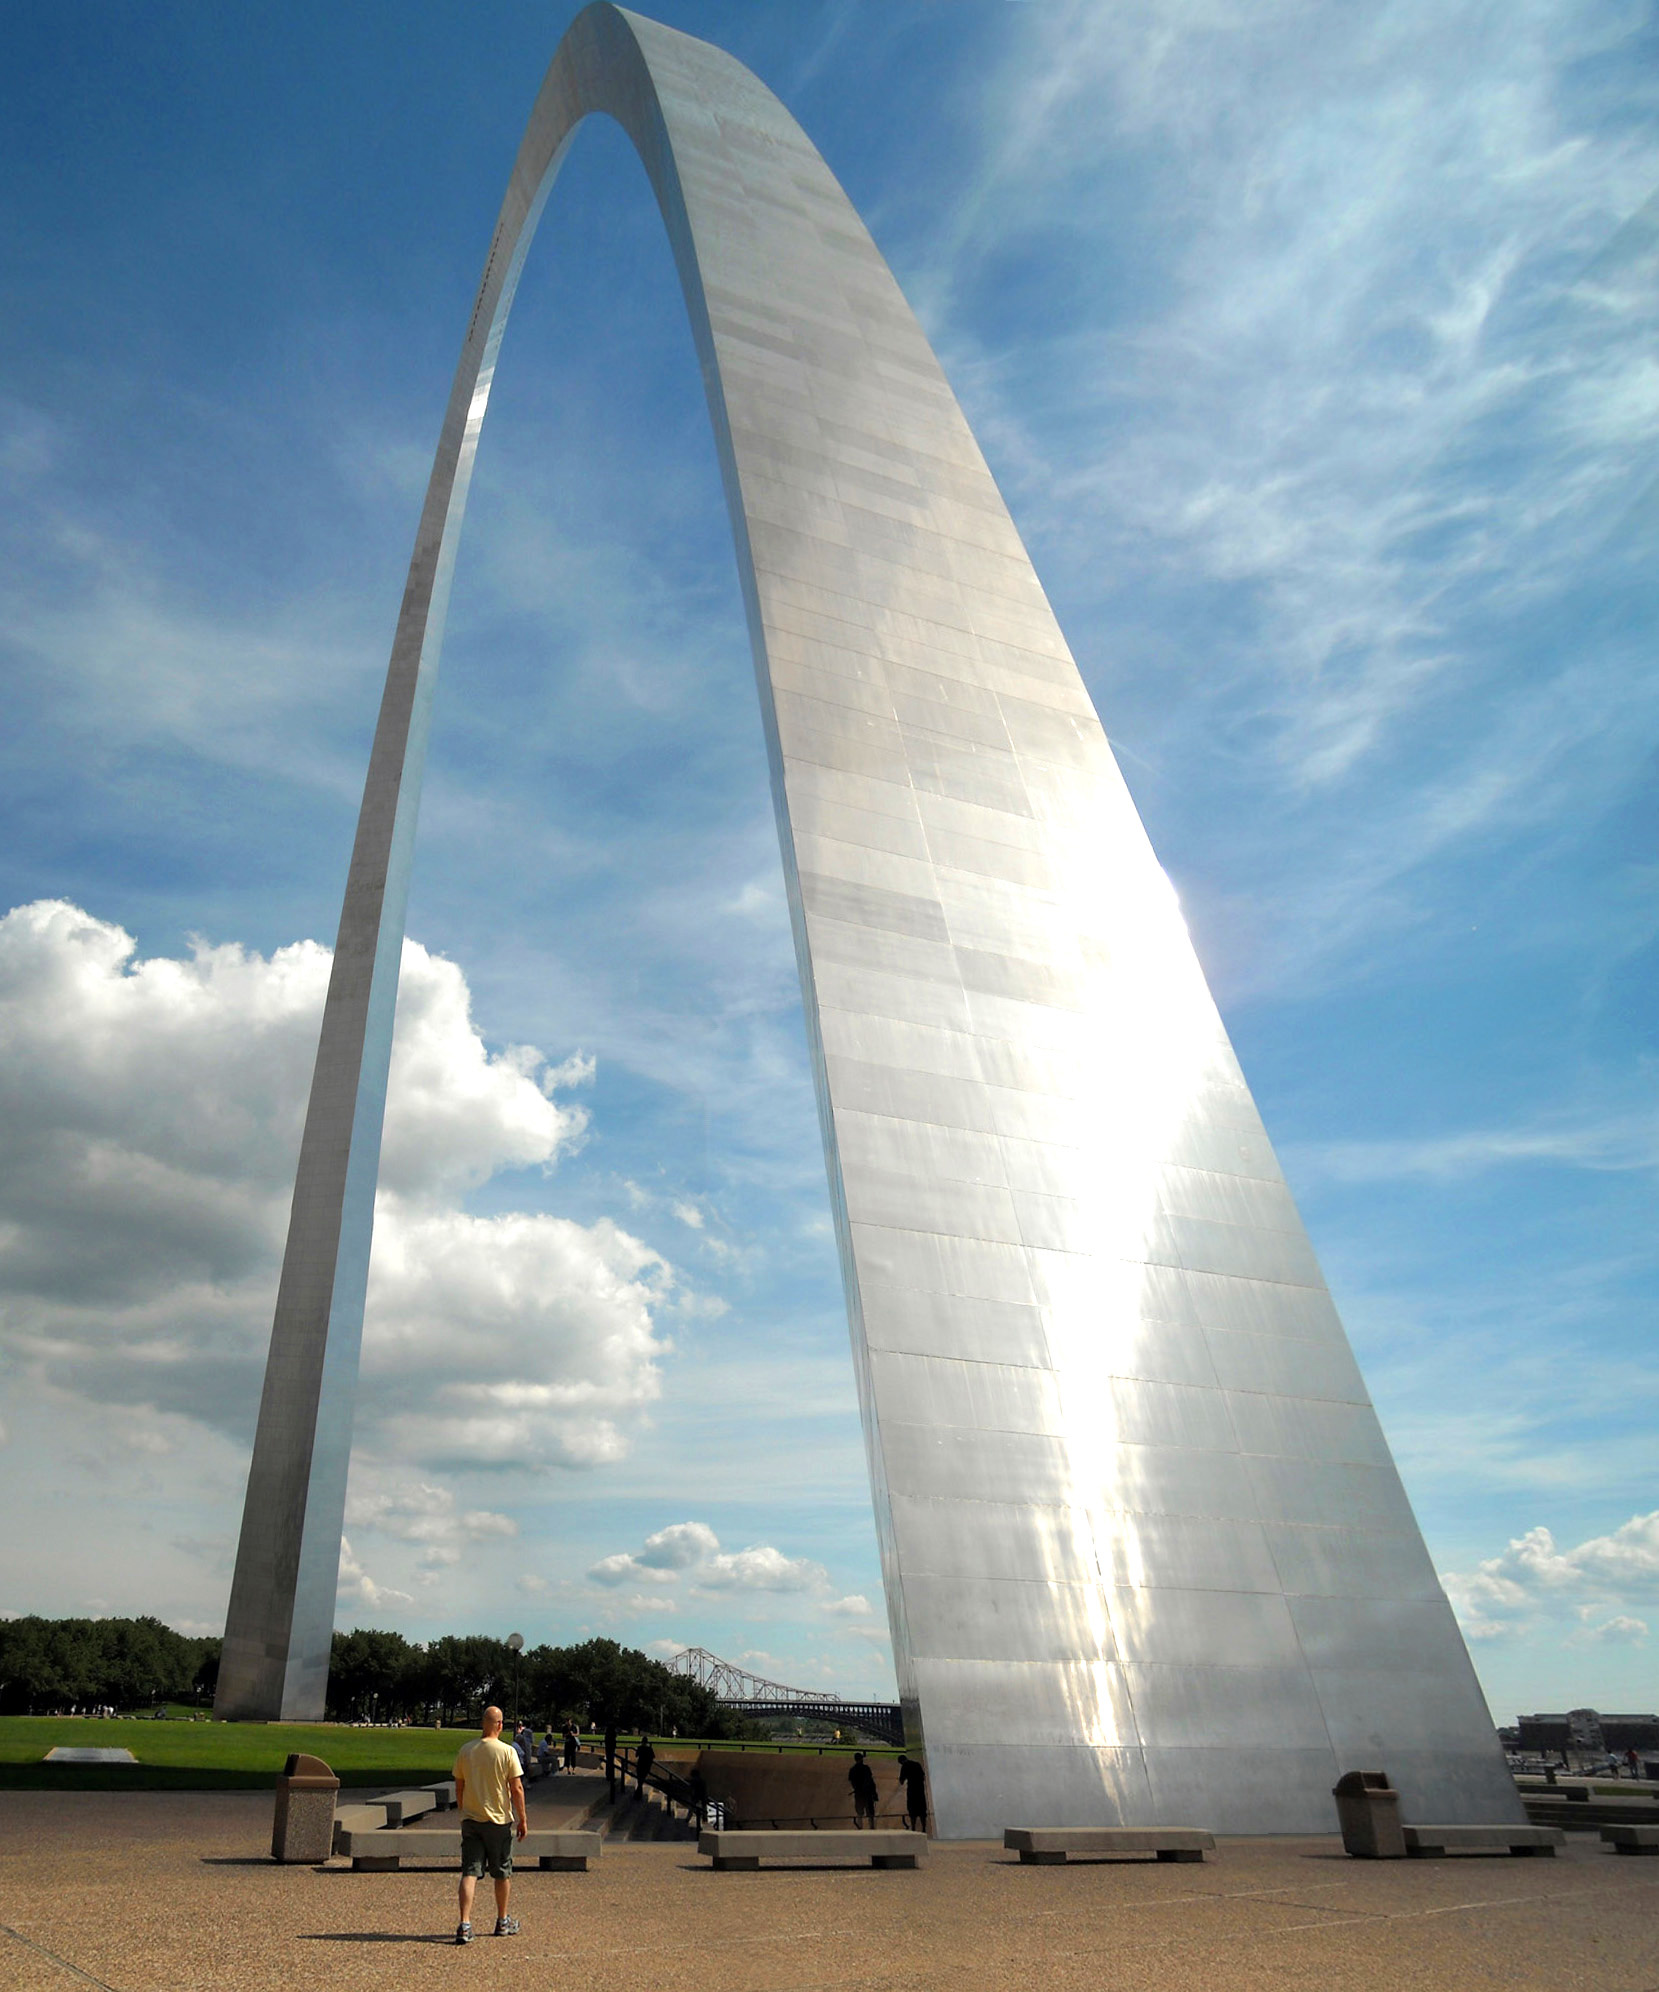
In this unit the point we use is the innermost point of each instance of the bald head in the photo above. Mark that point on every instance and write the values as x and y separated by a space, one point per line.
493 1719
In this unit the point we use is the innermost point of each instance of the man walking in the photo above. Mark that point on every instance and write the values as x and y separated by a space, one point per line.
863 1781
489 1790
914 1783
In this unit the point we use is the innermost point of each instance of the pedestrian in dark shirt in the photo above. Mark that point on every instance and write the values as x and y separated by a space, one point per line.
572 1743
644 1758
610 1758
914 1782
863 1781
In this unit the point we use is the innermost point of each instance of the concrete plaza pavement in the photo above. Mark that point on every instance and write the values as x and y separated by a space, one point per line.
170 1892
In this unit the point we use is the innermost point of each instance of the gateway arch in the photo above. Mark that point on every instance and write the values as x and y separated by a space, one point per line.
1146 1555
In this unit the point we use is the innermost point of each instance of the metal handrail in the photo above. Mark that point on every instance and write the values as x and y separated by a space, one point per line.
674 1789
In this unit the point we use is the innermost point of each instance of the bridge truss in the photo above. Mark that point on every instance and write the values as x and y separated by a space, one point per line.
749 1694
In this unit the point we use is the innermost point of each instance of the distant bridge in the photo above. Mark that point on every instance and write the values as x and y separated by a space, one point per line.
748 1694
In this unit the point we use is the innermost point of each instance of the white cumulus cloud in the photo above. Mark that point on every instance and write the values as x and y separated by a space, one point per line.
1535 1577
150 1113
625 1569
680 1546
357 1587
760 1568
1620 1630
427 1515
693 1549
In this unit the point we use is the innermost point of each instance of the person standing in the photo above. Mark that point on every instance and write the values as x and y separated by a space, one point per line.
863 1781
610 1758
489 1792
644 1758
913 1781
573 1742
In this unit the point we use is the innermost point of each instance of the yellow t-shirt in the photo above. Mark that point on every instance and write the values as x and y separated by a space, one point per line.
491 1768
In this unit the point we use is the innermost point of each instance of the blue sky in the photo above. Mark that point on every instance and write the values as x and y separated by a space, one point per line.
1313 349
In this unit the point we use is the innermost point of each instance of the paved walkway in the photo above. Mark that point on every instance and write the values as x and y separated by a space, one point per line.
170 1892
565 1800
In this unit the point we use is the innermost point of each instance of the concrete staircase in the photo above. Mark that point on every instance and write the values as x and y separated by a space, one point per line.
1580 1807
639 1818
583 1801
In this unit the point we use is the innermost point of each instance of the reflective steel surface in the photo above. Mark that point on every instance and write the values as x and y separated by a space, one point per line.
1147 1558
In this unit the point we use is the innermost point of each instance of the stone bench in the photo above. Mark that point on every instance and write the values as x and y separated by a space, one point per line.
1632 1839
358 1817
379 1852
1049 1846
734 1848
1427 1841
402 1806
396 1809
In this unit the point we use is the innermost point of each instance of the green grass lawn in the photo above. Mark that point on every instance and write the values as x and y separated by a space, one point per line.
246 1756
215 1756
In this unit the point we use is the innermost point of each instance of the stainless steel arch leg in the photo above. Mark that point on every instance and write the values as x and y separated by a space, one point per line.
1147 1558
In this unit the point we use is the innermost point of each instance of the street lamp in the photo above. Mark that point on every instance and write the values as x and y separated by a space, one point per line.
515 1646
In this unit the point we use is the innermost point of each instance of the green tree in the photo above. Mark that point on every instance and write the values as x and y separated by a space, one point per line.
467 1673
371 1675
49 1664
601 1681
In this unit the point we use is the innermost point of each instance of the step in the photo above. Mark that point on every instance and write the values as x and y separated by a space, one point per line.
1591 1816
611 1820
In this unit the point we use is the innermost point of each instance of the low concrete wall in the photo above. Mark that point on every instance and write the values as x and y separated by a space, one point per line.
755 1787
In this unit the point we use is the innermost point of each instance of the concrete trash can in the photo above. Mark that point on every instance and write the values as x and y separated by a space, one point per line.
303 1826
1368 1811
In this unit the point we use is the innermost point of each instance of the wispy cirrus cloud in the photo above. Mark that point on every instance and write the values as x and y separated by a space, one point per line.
1617 1142
1350 390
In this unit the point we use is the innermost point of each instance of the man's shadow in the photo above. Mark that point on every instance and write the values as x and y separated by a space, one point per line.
370 1937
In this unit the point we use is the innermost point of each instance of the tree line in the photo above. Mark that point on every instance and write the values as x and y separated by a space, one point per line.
47 1665
381 1676
50 1666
